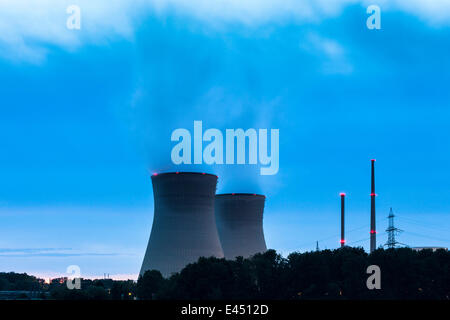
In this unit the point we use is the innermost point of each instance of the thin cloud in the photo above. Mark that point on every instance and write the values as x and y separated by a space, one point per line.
332 52
49 252
434 12
31 250
57 254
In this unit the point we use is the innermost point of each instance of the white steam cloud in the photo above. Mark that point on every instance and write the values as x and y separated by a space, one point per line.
28 28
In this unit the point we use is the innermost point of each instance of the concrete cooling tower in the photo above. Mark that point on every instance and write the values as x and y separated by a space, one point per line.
184 227
239 220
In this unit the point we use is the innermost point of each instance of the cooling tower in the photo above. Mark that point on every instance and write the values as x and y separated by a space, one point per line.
184 227
239 220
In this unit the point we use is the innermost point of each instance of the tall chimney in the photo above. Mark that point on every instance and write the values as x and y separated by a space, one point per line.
373 231
342 220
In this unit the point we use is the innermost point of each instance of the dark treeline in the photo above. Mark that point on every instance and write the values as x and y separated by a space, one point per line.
11 281
327 274
100 289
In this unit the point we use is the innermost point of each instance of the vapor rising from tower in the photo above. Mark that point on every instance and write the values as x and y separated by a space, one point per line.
373 231
342 219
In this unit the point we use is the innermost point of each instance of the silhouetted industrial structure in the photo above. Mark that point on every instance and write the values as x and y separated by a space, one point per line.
184 226
239 220
392 232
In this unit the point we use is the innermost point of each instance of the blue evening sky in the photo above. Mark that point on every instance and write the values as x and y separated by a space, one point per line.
86 117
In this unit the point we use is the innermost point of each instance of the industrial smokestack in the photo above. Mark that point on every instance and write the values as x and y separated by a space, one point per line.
373 230
184 226
342 219
239 220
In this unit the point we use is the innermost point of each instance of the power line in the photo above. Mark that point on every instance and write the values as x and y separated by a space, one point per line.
426 236
337 234
365 239
422 224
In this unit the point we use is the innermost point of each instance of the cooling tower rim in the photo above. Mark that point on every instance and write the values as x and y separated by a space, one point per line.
182 173
251 195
